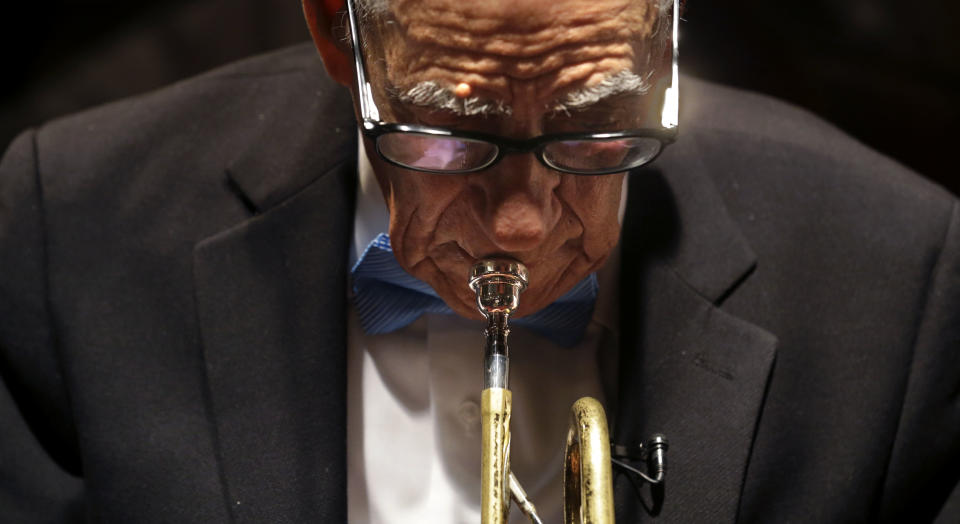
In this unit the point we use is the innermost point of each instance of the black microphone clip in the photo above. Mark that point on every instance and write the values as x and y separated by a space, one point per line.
652 453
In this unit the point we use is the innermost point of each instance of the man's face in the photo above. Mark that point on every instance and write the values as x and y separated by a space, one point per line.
530 66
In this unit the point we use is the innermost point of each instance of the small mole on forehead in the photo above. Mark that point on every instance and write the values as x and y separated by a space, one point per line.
462 90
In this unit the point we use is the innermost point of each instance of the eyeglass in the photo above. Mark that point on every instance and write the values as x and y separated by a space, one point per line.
441 150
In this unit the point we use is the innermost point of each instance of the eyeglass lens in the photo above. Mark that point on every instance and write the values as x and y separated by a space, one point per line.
435 153
601 155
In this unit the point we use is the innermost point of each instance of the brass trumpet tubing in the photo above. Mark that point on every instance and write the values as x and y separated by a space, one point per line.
495 410
588 493
587 470
496 356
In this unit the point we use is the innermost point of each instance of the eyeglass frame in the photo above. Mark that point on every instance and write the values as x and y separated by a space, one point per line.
373 127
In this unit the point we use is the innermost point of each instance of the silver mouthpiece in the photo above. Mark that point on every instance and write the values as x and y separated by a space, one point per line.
498 283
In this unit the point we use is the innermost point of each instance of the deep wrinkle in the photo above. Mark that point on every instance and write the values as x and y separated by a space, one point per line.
526 68
453 40
561 226
519 35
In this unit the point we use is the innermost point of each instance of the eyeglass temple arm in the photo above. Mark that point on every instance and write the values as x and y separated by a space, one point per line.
368 109
670 116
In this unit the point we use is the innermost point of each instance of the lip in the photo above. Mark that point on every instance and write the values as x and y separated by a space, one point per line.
470 259
466 296
457 266
488 250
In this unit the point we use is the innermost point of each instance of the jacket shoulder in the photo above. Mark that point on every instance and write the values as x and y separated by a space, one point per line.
777 162
165 155
198 126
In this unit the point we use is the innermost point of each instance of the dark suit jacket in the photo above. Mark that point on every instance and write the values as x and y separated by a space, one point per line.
172 313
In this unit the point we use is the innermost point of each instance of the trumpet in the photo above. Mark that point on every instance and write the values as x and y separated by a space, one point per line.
587 469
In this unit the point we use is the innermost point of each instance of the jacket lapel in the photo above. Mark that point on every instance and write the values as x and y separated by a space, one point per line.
688 370
271 299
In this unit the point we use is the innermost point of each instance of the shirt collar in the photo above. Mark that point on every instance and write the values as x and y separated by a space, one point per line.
372 217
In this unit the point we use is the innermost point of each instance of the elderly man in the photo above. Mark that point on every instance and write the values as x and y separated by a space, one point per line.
217 304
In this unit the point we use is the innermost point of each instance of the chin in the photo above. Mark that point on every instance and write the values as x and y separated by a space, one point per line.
448 269
533 299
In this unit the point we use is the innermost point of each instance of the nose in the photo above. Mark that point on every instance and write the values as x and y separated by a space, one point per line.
515 204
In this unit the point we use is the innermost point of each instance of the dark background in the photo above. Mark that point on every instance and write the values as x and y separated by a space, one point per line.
886 71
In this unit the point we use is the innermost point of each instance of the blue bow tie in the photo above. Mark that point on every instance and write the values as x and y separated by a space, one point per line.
388 298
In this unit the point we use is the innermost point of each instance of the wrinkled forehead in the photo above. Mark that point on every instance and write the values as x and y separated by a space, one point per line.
517 17
512 51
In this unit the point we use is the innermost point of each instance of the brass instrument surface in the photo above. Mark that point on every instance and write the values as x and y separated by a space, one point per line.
588 476
495 410
587 470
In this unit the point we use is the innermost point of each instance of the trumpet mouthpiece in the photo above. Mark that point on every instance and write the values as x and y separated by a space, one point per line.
498 283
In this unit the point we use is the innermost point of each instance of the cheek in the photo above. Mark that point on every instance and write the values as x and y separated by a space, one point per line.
595 201
409 193
422 199
417 202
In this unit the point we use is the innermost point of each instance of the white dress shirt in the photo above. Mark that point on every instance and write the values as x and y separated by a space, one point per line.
413 413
